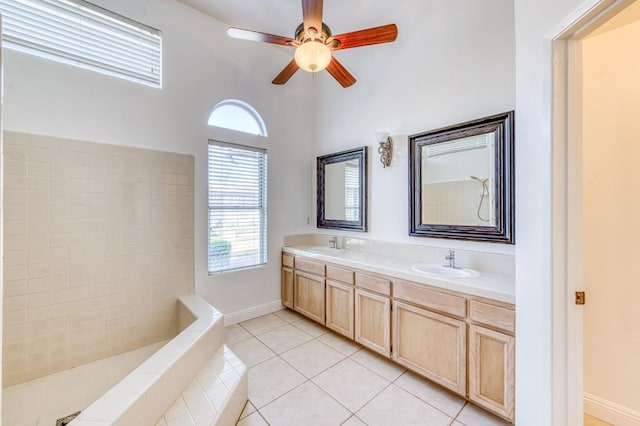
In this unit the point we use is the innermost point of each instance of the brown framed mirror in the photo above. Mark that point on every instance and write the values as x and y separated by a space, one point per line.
461 181
342 190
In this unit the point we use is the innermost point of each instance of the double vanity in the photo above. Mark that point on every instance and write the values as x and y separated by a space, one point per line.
455 327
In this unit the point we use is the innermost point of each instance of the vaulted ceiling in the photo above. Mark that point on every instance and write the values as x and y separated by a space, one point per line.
281 17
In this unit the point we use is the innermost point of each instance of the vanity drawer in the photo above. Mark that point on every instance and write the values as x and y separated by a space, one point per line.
340 274
287 260
373 283
309 266
493 316
430 299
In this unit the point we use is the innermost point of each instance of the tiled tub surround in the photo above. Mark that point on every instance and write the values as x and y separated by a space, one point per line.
44 400
195 355
98 247
497 271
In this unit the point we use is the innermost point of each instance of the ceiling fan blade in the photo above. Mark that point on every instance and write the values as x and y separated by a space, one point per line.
257 36
312 14
377 35
286 73
340 73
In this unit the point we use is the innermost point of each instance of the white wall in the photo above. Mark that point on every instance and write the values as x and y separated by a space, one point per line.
202 66
453 61
611 106
537 401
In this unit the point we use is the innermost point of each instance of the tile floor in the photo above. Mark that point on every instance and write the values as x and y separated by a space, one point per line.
303 374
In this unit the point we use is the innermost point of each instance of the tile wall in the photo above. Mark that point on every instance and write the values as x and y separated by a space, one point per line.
455 202
98 247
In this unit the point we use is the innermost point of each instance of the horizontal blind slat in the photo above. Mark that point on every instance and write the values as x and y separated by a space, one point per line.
237 207
81 34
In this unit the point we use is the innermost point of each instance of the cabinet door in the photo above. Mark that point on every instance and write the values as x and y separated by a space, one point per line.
431 344
340 308
492 370
308 295
287 287
373 321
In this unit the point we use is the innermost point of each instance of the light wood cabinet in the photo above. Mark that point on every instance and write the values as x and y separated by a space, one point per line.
339 308
465 343
287 287
309 294
492 370
373 321
431 344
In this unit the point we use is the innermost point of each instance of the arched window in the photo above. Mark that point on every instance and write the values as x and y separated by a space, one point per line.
237 115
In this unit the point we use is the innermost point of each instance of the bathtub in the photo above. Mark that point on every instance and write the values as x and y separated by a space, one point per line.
144 395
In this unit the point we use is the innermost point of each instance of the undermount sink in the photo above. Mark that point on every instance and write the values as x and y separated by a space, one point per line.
436 270
327 250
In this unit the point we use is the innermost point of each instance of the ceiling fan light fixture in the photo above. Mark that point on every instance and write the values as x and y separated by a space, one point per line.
313 56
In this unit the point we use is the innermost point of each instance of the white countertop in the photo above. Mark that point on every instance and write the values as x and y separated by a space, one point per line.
489 285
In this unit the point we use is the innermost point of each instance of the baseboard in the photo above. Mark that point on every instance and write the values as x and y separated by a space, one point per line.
253 312
610 412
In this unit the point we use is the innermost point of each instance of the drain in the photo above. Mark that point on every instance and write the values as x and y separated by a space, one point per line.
64 421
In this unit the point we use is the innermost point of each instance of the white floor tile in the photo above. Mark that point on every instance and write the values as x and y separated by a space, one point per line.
474 416
252 351
203 413
288 315
248 409
378 364
286 410
234 334
311 328
312 358
354 421
253 420
350 384
431 393
339 343
394 406
284 338
262 324
271 379
184 420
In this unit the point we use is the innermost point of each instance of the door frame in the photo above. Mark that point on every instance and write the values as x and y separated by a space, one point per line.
567 323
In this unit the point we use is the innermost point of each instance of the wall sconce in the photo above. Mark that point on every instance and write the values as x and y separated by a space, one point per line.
385 149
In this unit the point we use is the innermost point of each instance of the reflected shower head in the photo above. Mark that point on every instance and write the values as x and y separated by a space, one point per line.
479 180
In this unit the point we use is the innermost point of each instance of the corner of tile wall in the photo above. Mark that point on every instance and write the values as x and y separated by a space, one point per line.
98 247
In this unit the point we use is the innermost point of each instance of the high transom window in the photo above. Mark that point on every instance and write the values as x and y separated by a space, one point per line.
79 33
237 207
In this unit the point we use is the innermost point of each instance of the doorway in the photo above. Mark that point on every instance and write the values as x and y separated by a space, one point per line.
596 147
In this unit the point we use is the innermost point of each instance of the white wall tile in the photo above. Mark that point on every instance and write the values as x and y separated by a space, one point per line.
80 255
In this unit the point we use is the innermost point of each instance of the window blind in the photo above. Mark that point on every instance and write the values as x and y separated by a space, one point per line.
352 191
459 145
237 207
79 33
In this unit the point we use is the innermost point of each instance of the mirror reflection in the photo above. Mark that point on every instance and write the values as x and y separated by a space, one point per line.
461 181
458 181
342 189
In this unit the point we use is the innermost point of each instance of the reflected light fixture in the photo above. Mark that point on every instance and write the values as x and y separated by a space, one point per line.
385 149
312 56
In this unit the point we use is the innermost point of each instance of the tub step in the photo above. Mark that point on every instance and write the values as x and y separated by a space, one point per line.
217 395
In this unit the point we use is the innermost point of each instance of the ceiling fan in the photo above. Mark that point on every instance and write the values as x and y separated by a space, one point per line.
314 42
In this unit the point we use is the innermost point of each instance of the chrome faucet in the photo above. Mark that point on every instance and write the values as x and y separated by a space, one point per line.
333 243
451 257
